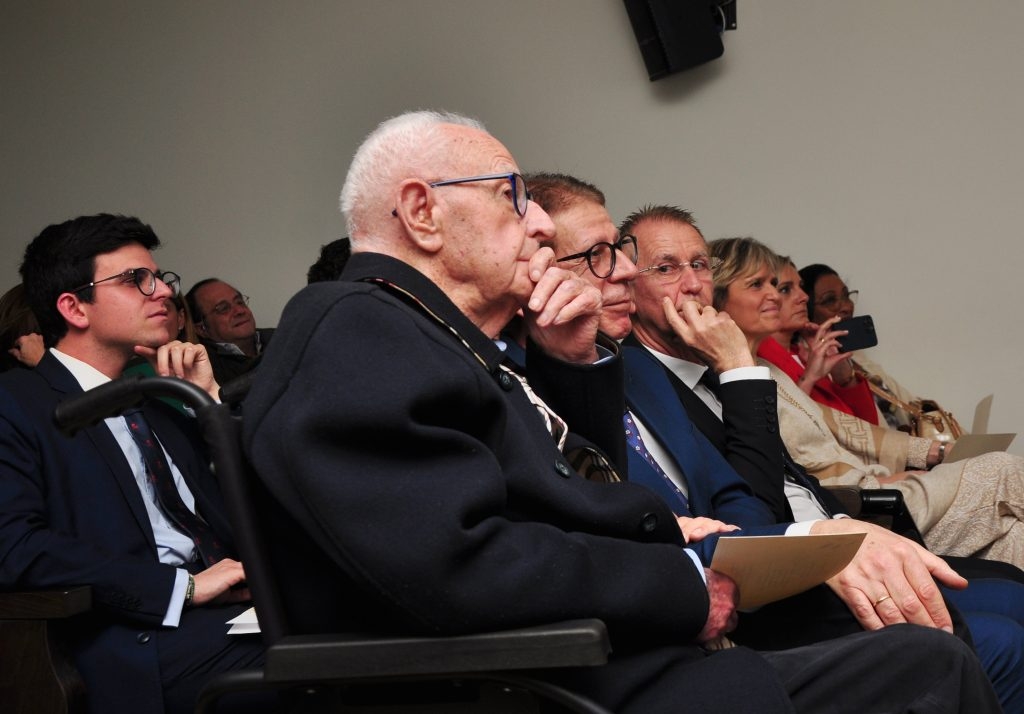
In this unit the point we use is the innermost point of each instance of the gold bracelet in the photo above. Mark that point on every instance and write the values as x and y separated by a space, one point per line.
190 591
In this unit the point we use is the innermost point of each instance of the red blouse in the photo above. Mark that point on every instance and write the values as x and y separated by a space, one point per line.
856 399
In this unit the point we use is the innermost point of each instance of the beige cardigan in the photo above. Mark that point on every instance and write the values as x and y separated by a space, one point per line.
840 449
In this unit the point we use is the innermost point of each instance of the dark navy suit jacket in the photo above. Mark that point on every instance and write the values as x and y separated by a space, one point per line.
71 514
715 489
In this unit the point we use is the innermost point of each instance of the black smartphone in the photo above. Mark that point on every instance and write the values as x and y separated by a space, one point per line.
861 333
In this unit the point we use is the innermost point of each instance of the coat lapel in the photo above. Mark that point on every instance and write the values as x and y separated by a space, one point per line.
650 396
65 386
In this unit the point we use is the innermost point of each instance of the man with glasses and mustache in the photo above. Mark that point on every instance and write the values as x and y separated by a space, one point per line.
226 326
386 390
129 506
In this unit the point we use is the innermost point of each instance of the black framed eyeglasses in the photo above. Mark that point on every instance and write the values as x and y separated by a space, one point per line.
601 256
668 271
520 195
143 278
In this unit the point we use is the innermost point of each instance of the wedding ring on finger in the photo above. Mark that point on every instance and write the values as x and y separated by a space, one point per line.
882 599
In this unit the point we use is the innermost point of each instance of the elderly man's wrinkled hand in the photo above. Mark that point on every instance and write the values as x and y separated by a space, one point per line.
724 596
563 312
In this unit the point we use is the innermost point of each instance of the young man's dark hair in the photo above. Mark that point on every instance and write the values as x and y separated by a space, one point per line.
62 258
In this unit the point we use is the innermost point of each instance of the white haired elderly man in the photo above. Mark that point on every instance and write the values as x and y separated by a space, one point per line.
385 423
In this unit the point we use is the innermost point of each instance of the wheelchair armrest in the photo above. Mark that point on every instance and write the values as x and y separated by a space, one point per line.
881 501
858 502
45 604
37 674
344 656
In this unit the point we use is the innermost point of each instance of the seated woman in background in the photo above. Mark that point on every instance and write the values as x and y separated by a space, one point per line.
20 335
967 508
809 353
828 297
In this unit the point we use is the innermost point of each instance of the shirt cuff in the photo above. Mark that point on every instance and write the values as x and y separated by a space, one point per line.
603 354
735 375
696 562
801 528
173 615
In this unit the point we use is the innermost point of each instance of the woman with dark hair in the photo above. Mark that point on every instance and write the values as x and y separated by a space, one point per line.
20 336
828 298
970 507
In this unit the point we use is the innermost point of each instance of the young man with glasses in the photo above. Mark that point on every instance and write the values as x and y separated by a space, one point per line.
227 328
98 508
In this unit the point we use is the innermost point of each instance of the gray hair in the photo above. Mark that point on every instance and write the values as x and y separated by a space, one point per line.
390 153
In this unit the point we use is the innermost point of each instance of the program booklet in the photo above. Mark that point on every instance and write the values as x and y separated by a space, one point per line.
769 568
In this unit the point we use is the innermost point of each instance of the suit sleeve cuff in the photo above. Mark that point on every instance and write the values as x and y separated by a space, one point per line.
697 564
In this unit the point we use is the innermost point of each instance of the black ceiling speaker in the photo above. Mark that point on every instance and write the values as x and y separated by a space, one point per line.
676 34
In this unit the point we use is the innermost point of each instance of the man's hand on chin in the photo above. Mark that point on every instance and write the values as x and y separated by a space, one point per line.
184 360
711 334
563 312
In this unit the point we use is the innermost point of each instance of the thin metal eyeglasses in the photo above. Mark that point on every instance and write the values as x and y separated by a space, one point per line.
224 307
830 300
520 195
669 272
143 278
601 256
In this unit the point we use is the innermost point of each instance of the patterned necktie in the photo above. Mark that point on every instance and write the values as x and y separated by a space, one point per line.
158 472
636 442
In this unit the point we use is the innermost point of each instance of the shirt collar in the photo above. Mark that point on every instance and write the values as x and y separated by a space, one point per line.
689 373
84 373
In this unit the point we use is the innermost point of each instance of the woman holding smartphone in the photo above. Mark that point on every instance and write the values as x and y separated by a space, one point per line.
973 507
828 297
812 355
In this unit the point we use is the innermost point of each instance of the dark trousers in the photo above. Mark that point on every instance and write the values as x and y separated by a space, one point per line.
903 668
187 663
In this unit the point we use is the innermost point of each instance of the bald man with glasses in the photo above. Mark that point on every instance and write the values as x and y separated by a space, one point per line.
226 326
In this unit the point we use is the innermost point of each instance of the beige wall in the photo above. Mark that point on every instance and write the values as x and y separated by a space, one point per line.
880 137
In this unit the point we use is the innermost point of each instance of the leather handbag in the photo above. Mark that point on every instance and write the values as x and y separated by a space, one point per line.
933 422
927 419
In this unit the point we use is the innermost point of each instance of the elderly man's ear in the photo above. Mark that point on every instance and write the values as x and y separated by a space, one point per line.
420 214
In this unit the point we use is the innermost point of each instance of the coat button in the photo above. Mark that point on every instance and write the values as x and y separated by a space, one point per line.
562 469
505 380
649 522
769 399
143 638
